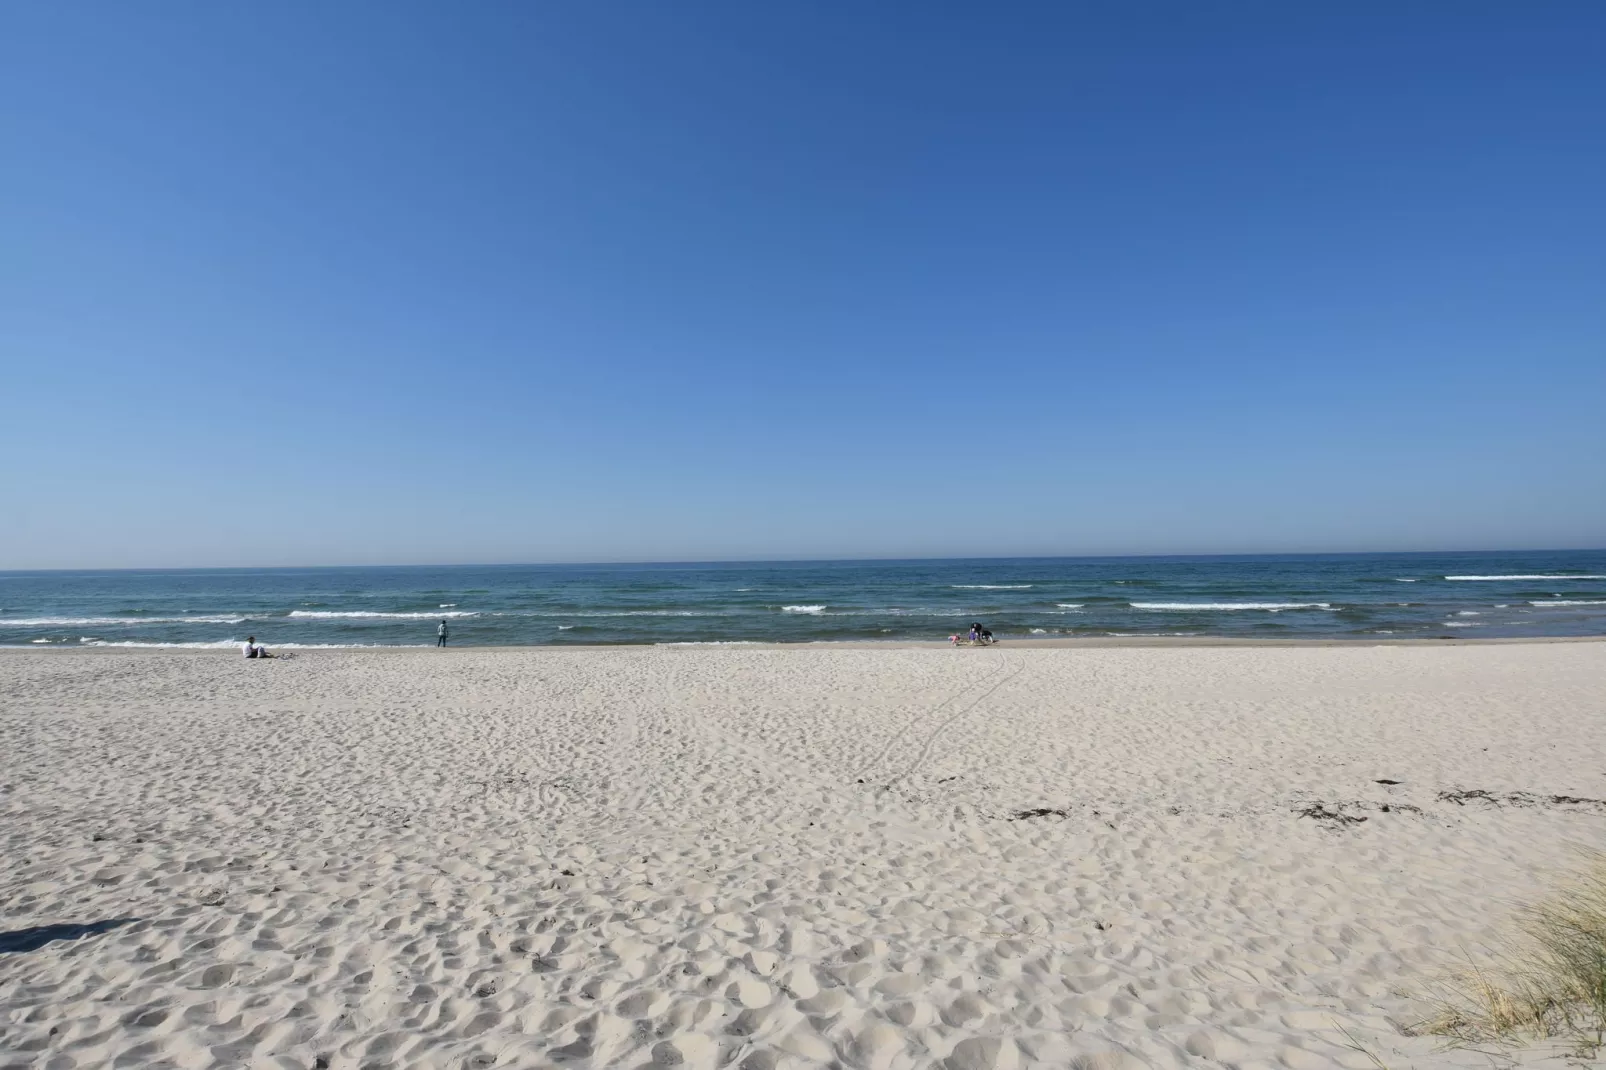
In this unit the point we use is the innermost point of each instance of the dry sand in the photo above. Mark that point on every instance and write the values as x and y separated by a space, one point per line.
705 856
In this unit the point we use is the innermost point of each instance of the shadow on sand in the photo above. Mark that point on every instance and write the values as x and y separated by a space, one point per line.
33 939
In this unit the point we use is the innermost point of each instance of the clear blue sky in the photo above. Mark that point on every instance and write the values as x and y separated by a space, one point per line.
395 282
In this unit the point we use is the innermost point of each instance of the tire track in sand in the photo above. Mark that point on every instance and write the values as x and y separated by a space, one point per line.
926 716
999 679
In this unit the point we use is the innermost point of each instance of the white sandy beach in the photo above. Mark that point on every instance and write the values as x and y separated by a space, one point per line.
815 856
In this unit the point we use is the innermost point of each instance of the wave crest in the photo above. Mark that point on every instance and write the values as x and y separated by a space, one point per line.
70 622
368 614
1572 576
234 644
1228 606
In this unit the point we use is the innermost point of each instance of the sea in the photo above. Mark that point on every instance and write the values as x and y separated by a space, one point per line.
1328 596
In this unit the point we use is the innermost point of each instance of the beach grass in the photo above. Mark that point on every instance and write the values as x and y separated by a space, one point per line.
1546 979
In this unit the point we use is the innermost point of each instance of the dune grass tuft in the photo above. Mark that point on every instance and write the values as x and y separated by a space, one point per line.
1547 981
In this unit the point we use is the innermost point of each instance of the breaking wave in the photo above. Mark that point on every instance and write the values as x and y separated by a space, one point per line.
367 614
1228 606
72 622
710 642
1571 576
234 644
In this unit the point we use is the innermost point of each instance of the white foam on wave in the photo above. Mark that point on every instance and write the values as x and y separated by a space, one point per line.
1469 613
896 611
234 644
70 622
1574 576
1462 624
651 613
888 611
1070 605
1039 631
565 627
990 586
367 614
1228 606
711 642
1571 602
566 614
448 605
1403 579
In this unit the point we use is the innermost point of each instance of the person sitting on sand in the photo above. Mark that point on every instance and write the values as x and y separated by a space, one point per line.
975 633
986 637
254 651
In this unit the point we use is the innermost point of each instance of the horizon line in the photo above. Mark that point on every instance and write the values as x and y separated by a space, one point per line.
795 560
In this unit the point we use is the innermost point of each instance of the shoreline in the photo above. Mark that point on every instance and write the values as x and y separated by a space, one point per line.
1003 645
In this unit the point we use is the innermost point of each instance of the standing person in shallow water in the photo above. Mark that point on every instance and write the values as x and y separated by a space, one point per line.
441 634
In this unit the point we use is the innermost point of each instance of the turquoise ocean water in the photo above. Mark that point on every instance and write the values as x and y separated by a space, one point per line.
1350 596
